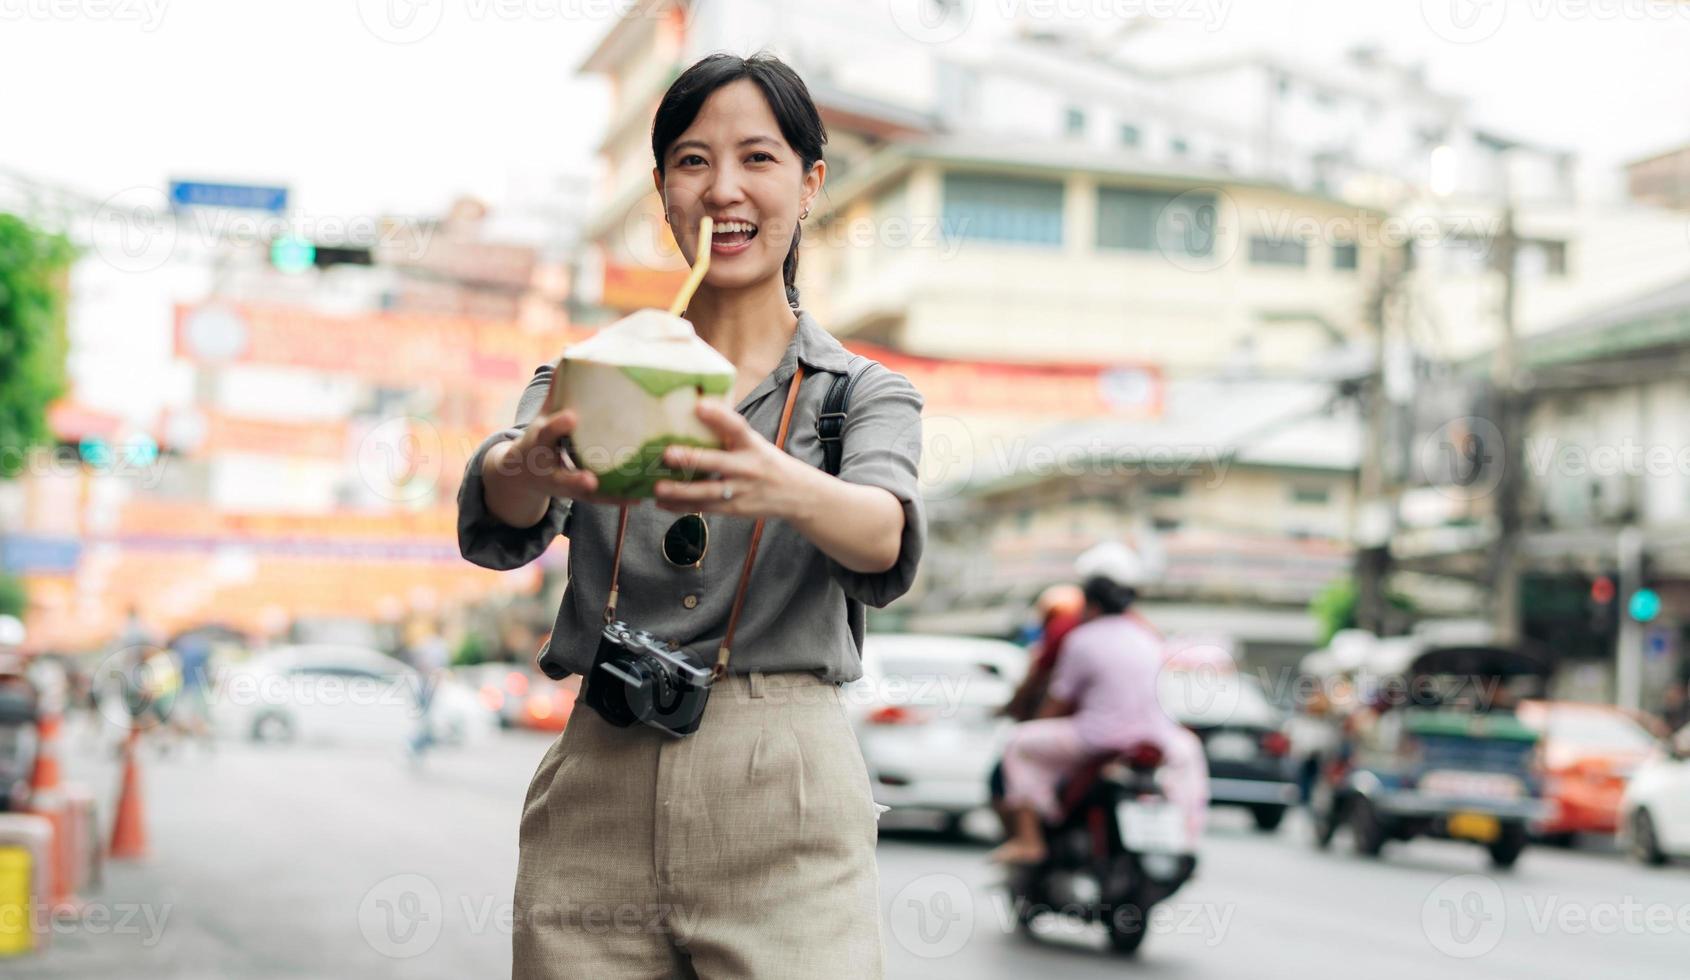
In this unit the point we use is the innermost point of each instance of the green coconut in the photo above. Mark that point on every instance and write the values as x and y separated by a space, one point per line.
635 387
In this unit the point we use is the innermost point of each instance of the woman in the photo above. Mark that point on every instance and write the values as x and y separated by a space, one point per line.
747 848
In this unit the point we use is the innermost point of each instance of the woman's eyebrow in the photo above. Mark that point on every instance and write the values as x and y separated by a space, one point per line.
701 145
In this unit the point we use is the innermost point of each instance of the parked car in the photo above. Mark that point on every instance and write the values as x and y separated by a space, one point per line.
523 697
1244 738
1588 753
325 692
1655 808
925 714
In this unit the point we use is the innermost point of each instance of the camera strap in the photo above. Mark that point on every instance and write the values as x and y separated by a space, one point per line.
721 667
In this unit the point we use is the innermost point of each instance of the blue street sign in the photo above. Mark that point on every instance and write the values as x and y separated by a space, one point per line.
246 197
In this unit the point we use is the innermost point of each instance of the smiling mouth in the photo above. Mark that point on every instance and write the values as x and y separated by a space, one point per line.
732 234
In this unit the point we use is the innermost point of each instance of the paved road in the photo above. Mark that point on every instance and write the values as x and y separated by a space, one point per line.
318 862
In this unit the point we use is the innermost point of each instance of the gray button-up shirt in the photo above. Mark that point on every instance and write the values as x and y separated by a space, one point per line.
803 610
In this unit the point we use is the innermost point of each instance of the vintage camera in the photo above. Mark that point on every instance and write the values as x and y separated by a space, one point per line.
638 678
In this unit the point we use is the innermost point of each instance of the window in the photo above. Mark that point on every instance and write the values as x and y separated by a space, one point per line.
1129 135
1344 255
1178 146
1076 122
1310 495
1165 491
1145 220
983 207
1541 258
1278 251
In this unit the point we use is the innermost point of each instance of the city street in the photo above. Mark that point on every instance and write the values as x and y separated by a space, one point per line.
319 862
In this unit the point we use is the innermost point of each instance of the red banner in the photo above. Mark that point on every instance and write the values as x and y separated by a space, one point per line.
1003 388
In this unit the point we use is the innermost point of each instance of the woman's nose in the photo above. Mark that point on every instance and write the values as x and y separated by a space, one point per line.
725 188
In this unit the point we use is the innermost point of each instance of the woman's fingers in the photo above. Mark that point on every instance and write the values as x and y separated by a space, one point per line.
687 494
555 427
575 484
697 460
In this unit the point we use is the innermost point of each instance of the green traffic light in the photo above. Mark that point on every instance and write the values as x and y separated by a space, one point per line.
290 254
1645 605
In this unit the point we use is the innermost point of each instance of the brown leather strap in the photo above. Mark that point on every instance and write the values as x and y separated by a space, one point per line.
721 667
616 567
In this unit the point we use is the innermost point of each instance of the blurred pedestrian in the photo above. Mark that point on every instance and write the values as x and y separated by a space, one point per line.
430 656
191 717
1675 706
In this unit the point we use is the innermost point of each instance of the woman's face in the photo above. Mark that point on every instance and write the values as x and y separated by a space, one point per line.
734 165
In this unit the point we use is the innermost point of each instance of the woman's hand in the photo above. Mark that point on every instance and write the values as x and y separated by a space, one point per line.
521 476
765 481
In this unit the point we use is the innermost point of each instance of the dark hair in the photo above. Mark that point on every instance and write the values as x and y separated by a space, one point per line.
1109 597
789 100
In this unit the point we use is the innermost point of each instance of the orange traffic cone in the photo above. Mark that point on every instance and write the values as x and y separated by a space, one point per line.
129 831
47 799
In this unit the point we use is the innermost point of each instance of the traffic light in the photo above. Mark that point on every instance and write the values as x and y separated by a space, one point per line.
291 253
1603 608
1644 603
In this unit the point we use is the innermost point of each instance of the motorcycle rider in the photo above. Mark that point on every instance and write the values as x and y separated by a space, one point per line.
1102 699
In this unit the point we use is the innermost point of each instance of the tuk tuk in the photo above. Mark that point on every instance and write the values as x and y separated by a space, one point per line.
1434 749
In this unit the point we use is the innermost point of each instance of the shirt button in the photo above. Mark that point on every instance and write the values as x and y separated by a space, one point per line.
691 602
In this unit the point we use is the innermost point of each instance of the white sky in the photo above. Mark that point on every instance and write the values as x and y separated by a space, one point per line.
304 93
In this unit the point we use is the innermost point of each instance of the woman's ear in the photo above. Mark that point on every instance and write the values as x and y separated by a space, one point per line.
812 186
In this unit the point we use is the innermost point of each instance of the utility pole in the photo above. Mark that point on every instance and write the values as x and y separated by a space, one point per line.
1376 516
1510 456
1628 651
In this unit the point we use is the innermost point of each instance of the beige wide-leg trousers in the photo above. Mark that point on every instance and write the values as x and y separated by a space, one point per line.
746 849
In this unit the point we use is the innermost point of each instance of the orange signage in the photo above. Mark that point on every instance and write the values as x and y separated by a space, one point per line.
389 348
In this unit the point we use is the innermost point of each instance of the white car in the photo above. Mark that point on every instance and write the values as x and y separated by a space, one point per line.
925 714
335 693
1655 810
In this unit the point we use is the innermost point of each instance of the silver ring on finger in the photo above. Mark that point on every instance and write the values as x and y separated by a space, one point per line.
727 492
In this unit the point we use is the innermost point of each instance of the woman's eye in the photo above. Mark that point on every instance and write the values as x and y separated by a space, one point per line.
690 159
760 157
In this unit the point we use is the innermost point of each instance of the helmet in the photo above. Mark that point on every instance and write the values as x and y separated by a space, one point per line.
1114 561
1062 598
11 631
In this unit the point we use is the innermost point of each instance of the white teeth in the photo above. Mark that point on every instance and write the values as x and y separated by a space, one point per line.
729 227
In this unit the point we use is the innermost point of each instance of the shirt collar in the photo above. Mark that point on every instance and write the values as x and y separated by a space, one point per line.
812 346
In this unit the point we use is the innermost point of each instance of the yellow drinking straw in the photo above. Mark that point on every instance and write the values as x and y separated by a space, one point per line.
705 228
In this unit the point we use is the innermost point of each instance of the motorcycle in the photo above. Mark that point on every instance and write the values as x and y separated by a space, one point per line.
1119 848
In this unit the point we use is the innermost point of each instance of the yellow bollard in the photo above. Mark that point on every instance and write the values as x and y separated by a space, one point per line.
15 898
